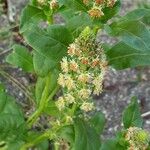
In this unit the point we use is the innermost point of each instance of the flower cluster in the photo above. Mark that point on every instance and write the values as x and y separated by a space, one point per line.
82 72
53 3
96 6
138 138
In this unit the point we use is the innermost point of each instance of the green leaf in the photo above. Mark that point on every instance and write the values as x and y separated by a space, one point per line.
51 43
42 64
134 49
122 56
131 115
41 83
112 144
21 57
30 16
110 12
137 14
85 137
51 109
12 125
98 122
67 133
74 4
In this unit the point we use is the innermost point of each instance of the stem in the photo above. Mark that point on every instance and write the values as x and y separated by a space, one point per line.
43 102
19 85
40 138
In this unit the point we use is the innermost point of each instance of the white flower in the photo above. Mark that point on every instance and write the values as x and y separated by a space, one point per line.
85 93
87 106
69 98
60 103
84 78
64 65
73 66
69 119
98 84
71 49
69 82
61 80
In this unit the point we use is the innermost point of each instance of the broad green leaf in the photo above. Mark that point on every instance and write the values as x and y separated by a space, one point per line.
98 122
110 12
12 125
41 84
74 4
42 64
134 49
51 109
67 133
41 144
30 16
112 144
85 137
137 14
21 57
51 43
122 56
131 115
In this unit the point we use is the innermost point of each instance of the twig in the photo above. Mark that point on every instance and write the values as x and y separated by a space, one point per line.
146 114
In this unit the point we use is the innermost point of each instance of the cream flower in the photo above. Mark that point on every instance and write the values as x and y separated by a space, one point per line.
64 65
54 4
98 84
138 138
84 93
71 49
69 99
73 66
69 82
87 106
61 80
84 78
69 119
60 103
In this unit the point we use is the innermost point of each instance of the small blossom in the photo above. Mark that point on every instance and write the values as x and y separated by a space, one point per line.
100 2
60 103
84 61
97 82
87 106
69 98
96 12
61 80
86 2
111 3
84 78
138 138
64 65
41 2
85 93
95 62
73 66
54 4
71 49
69 119
69 82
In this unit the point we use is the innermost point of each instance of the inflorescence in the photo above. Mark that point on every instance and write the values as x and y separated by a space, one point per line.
82 73
138 138
97 6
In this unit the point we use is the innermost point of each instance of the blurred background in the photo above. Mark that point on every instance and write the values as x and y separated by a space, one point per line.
119 86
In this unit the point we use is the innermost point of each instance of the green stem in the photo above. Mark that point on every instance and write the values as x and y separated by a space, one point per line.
46 135
43 102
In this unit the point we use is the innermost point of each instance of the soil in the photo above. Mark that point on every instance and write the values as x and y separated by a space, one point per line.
119 86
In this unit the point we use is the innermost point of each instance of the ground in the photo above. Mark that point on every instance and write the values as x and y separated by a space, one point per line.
119 86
